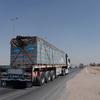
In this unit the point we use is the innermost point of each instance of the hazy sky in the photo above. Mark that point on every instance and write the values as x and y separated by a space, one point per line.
71 25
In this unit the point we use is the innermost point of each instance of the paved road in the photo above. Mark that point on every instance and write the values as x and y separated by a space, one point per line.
55 90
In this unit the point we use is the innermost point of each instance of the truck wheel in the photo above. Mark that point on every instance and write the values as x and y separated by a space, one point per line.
34 81
41 79
53 75
3 84
63 71
47 76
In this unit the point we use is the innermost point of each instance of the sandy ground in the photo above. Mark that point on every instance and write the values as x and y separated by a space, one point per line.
85 86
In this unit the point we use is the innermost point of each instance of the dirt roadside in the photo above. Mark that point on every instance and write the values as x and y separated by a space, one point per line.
85 86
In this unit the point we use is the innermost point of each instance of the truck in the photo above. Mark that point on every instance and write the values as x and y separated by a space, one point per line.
33 61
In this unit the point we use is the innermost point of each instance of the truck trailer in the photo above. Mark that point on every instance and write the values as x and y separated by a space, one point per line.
33 61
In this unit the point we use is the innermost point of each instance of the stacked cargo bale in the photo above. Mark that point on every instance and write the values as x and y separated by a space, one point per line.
27 51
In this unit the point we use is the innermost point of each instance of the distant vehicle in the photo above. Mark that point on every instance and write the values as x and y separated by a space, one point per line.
81 66
34 61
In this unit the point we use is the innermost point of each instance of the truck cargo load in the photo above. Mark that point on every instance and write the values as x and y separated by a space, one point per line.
28 51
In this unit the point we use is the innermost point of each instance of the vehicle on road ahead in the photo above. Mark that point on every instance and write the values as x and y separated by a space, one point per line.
34 61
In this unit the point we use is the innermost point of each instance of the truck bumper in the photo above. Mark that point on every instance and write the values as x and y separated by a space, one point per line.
14 83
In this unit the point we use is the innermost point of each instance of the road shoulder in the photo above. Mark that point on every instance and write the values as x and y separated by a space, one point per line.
85 86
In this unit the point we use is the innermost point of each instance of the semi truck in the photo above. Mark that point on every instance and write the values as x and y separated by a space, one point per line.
33 61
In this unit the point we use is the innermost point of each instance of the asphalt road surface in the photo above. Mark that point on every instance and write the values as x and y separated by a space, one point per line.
55 90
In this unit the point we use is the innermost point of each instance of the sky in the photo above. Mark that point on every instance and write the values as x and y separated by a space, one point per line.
71 25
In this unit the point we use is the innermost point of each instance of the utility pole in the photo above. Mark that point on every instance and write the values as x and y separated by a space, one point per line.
13 20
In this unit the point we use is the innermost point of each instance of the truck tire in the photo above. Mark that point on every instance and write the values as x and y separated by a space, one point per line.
34 81
53 75
3 84
47 76
41 80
